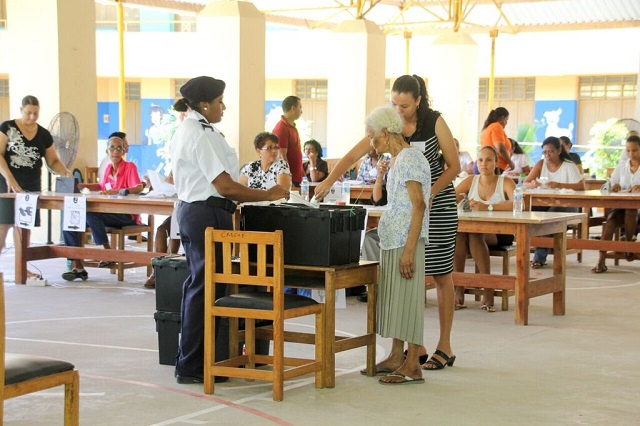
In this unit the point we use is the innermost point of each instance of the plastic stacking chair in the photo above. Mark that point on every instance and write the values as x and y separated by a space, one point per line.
25 374
271 305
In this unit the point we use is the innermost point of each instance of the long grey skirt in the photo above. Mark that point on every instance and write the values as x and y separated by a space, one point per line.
401 302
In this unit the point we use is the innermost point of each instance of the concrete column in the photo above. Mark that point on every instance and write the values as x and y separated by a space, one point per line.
356 82
54 52
453 86
52 55
232 34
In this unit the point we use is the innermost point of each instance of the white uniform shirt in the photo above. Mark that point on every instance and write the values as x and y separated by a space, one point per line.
199 154
623 176
567 173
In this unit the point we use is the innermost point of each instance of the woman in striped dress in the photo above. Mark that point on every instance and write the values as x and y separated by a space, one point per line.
425 129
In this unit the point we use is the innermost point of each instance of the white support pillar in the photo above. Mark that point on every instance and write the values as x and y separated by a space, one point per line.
53 46
356 82
232 34
453 86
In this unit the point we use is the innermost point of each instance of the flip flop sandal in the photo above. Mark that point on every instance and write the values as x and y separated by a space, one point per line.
405 380
377 373
599 269
437 364
458 307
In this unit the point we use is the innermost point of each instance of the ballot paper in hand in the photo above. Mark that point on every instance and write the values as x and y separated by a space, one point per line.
160 186
296 198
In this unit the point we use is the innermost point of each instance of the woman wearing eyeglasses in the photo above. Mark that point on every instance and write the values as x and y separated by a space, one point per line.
120 178
268 170
315 168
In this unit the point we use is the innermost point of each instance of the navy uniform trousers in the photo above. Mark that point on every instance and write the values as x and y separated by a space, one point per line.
193 219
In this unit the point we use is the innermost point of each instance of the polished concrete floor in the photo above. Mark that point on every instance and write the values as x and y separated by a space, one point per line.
582 368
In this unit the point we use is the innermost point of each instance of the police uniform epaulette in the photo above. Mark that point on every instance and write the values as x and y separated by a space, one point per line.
205 125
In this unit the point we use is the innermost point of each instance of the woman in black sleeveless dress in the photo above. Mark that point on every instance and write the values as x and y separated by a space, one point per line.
426 129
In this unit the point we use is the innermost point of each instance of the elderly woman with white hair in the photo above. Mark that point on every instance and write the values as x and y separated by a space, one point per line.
403 230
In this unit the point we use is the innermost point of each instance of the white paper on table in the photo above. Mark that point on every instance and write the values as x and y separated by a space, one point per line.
175 229
159 185
25 210
74 216
296 198
418 144
341 297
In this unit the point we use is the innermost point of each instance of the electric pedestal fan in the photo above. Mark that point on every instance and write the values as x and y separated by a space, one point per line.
66 137
631 124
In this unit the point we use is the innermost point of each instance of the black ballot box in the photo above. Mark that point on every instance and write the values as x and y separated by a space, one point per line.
171 272
326 236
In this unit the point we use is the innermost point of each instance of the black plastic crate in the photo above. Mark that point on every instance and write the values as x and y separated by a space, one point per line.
170 272
326 236
168 328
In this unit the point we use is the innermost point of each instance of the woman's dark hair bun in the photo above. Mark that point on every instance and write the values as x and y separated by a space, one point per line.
181 105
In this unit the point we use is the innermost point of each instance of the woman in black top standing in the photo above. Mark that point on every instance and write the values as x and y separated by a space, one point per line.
23 145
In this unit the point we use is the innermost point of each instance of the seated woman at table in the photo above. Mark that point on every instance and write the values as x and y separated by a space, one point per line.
403 231
315 168
558 172
486 192
520 161
120 178
368 170
625 178
268 170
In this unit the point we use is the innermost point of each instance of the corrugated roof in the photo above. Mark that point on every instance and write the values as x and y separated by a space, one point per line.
438 15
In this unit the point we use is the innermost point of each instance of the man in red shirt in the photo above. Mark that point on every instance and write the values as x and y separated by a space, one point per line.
289 139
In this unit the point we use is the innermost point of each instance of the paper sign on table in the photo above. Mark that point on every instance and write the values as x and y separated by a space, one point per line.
74 217
25 210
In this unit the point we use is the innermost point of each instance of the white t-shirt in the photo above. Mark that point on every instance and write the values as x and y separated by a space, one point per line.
623 176
199 154
567 173
520 161
465 159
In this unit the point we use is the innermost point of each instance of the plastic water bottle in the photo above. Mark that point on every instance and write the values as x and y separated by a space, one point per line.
518 199
346 191
304 189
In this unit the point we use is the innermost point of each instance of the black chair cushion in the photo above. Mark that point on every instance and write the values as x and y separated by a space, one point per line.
263 301
20 368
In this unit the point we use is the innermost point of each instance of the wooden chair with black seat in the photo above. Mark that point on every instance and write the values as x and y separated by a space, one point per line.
25 374
271 305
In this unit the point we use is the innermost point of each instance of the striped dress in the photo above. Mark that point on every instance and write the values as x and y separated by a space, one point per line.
443 216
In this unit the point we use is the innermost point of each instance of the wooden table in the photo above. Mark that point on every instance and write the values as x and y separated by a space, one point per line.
133 204
524 226
330 279
586 200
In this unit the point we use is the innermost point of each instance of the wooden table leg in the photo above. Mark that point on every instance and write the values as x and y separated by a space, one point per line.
21 245
559 271
523 241
372 297
330 329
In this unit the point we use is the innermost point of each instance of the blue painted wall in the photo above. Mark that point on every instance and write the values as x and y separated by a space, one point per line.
110 110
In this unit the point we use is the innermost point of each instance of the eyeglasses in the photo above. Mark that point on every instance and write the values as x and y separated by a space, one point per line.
116 148
549 152
270 148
